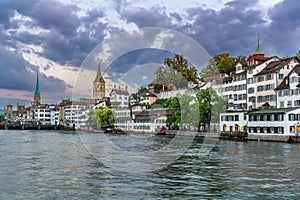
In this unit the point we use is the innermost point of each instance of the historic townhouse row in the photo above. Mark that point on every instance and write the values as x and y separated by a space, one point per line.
261 86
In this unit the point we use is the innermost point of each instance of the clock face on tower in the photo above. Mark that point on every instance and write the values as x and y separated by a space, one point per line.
100 86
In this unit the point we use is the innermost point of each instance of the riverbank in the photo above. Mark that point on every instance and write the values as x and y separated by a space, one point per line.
31 126
234 136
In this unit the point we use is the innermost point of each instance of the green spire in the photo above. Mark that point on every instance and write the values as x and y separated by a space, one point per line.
258 50
37 86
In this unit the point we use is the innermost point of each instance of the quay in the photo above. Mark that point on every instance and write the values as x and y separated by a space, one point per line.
31 126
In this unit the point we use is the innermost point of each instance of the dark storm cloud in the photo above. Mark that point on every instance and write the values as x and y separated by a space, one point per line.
232 29
51 15
142 17
284 31
15 76
68 38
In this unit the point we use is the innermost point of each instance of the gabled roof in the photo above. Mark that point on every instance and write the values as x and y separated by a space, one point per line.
152 113
272 111
119 92
226 79
285 84
274 66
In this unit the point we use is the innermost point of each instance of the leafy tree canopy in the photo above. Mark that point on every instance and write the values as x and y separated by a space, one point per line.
176 72
143 90
101 117
298 54
221 63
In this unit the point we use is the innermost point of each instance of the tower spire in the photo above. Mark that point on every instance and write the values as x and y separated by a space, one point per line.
99 77
37 94
258 50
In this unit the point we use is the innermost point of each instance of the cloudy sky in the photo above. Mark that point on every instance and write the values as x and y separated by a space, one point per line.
56 36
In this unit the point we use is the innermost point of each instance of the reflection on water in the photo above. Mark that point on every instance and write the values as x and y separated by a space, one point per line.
53 165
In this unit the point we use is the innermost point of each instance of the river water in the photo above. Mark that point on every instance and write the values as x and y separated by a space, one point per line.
56 165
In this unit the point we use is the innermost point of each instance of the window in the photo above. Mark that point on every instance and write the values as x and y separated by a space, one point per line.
281 76
260 88
236 118
252 99
289 104
294 79
269 77
297 103
251 90
259 99
260 79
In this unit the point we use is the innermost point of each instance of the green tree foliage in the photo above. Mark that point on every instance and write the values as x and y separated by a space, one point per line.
157 88
175 71
1 118
298 54
174 118
143 90
205 107
101 117
92 120
180 64
241 59
210 107
210 70
189 110
159 103
221 63
225 63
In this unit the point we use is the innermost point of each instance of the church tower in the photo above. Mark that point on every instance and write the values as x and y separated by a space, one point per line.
37 94
99 86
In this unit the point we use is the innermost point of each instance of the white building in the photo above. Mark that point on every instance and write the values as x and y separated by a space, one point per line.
281 121
119 97
150 120
45 114
233 121
123 118
288 91
269 78
76 114
252 81
239 88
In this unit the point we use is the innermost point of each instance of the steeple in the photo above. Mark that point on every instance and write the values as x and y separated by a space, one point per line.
99 77
99 86
37 94
258 50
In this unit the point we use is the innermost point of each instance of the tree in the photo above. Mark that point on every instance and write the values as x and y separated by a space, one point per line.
1 118
210 70
142 90
298 54
174 118
92 120
180 64
221 63
157 88
101 117
224 63
176 72
210 107
205 107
